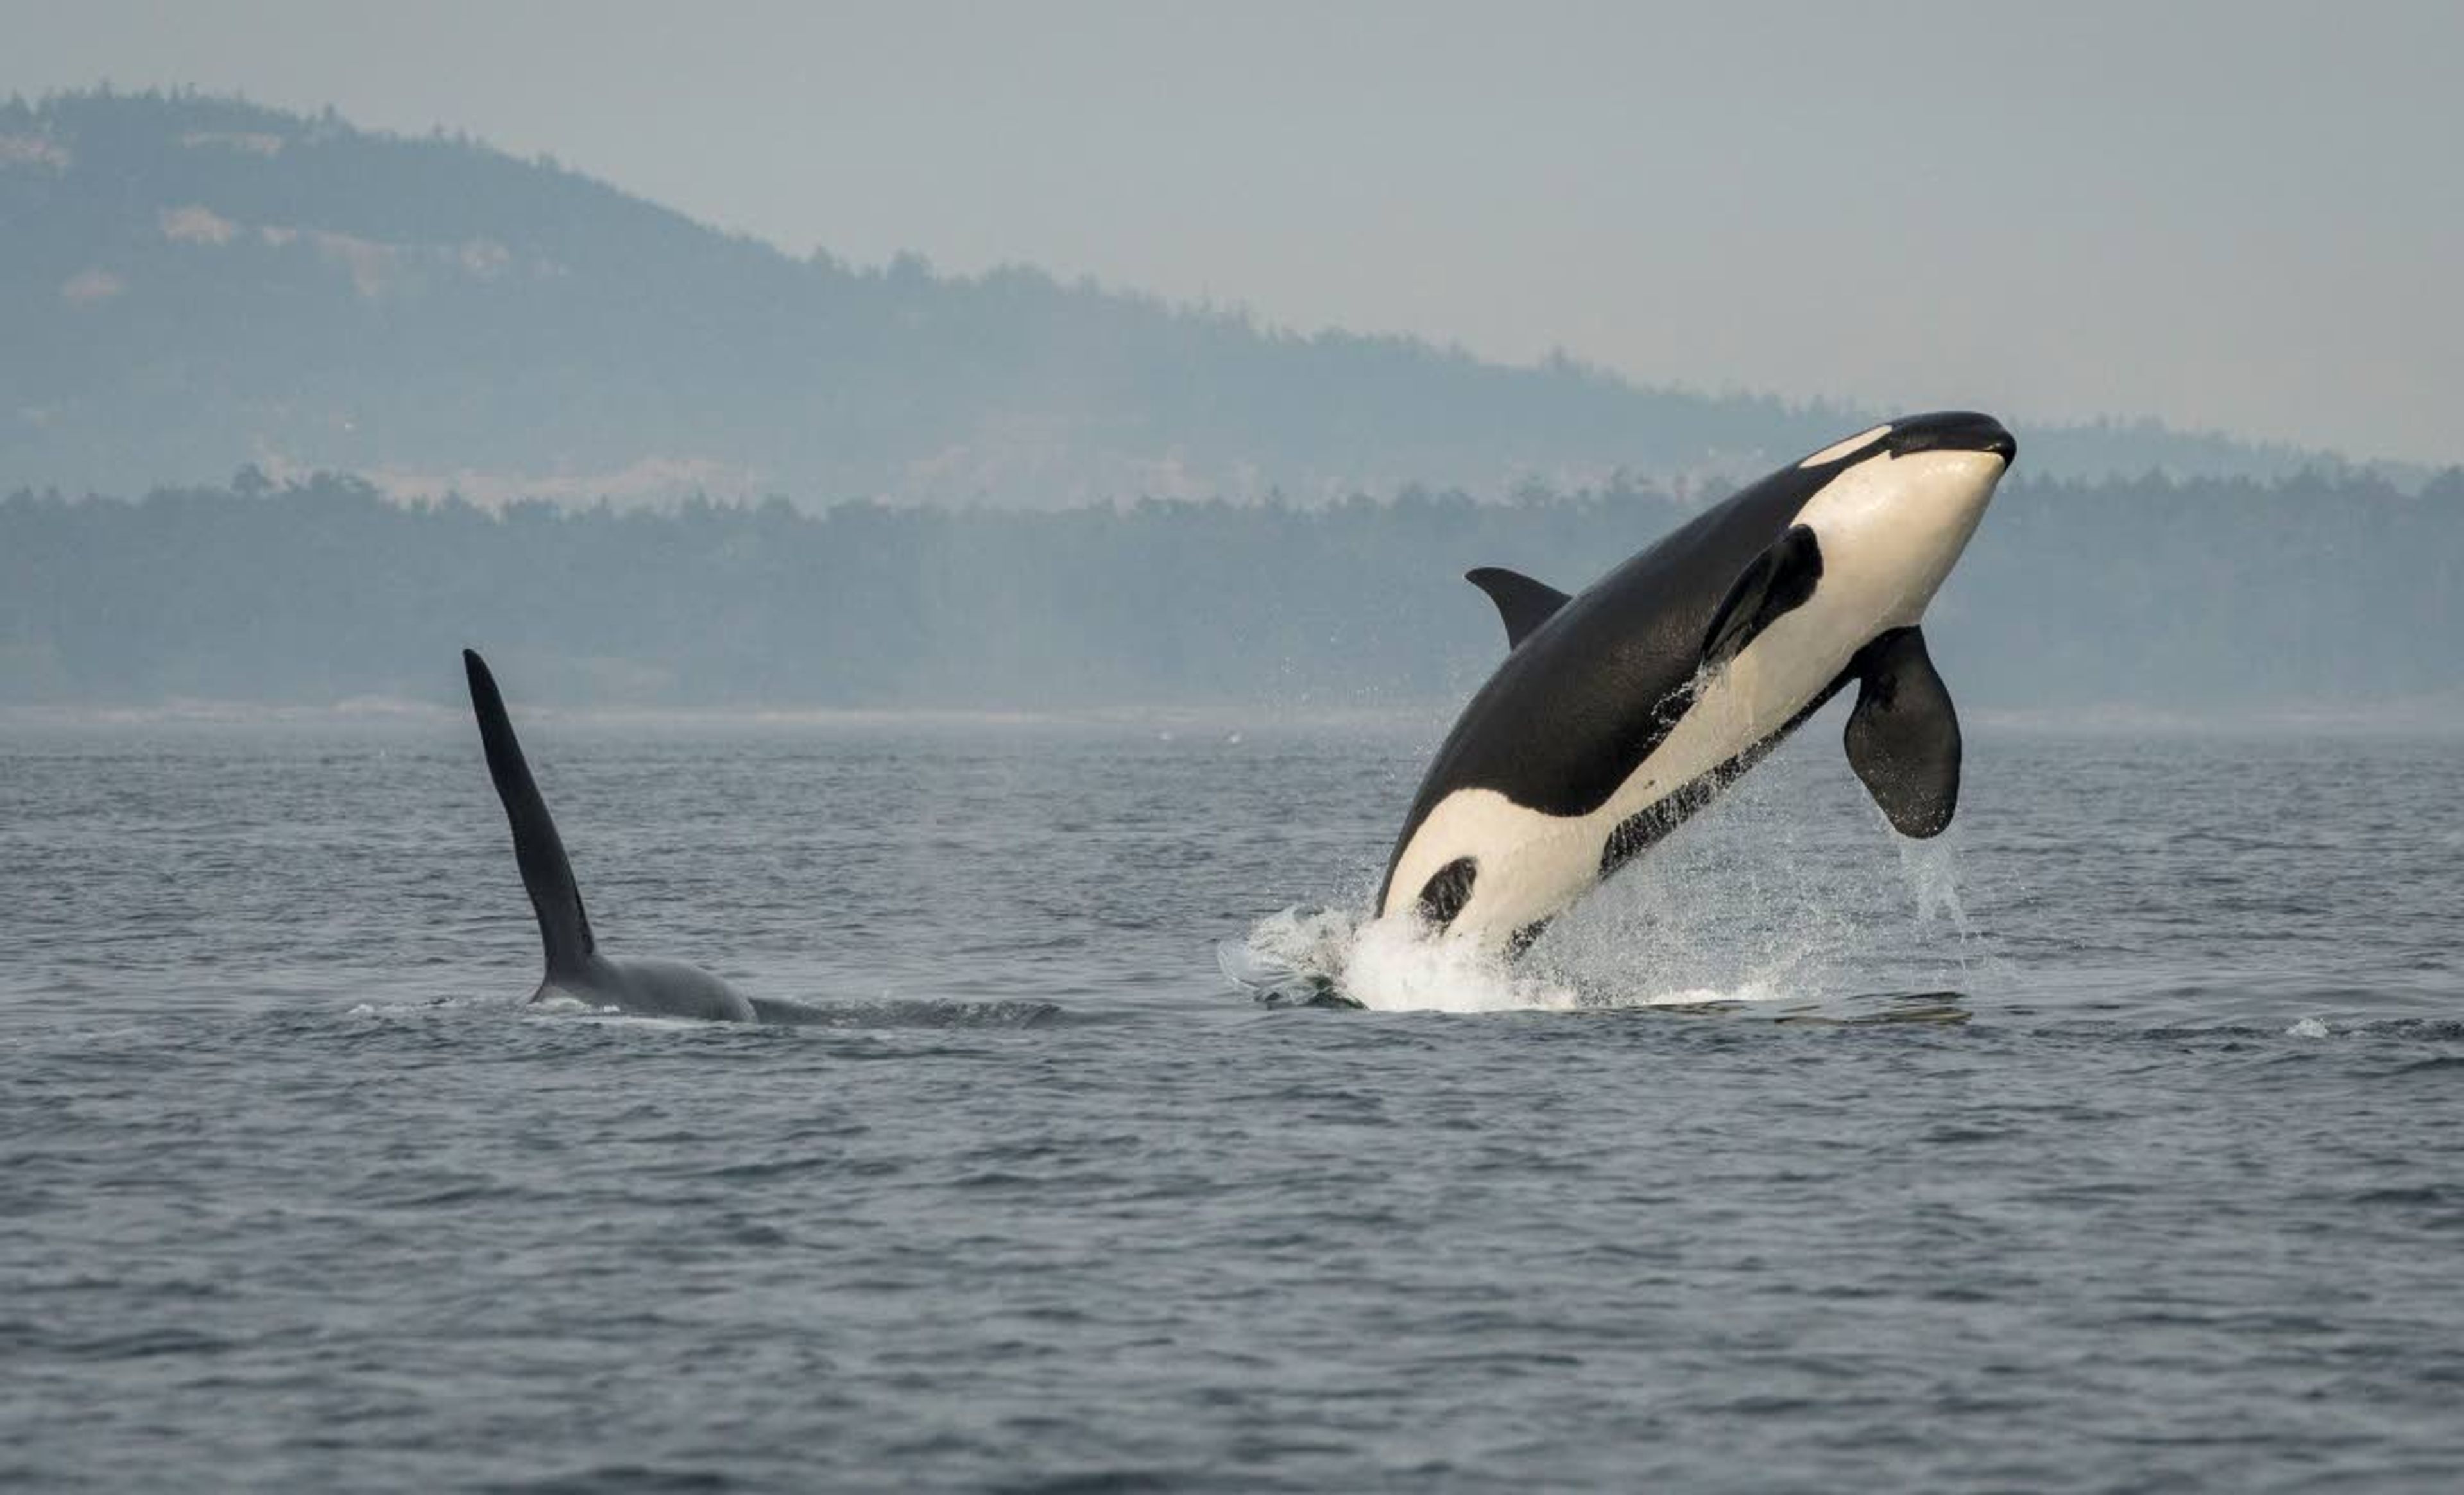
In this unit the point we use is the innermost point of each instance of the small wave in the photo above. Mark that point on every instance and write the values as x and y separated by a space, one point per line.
623 1479
562 1008
425 1007
584 1015
918 1014
562 1004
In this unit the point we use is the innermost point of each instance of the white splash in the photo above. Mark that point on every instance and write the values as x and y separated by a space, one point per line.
2307 1027
1933 871
1289 942
1395 964
1755 902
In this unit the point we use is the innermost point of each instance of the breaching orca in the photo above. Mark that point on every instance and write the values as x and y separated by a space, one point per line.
576 970
1623 710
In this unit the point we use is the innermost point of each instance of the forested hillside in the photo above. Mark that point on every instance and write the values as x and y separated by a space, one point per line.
189 284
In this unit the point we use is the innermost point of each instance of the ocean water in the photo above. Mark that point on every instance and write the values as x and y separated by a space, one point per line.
2111 1143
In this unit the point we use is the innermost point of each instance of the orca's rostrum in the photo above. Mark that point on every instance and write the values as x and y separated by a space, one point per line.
1623 709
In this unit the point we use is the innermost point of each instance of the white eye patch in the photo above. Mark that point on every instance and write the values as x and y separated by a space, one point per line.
1841 448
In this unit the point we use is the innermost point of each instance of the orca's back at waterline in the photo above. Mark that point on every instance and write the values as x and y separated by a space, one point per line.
577 971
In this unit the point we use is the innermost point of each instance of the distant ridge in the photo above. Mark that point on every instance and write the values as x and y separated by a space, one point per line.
191 284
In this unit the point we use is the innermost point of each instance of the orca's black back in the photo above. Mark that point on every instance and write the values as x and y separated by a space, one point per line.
1590 695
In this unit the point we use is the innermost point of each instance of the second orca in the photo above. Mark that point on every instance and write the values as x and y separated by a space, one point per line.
576 970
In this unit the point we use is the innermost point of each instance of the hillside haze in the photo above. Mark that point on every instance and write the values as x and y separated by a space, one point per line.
2318 597
188 285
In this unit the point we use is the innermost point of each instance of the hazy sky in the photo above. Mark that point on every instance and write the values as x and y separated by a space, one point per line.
2240 214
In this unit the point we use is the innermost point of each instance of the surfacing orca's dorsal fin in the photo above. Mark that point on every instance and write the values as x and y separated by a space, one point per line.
1903 735
546 874
1523 603
1782 577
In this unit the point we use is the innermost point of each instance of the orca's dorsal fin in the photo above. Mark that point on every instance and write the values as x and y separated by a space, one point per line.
1782 577
1903 735
1522 603
546 874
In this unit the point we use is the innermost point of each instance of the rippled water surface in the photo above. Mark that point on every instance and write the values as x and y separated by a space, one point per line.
2113 1144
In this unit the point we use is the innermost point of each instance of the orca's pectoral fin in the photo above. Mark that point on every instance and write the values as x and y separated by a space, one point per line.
1782 577
1523 603
1903 735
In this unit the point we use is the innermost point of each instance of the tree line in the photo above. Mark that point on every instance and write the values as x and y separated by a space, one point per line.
2306 591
